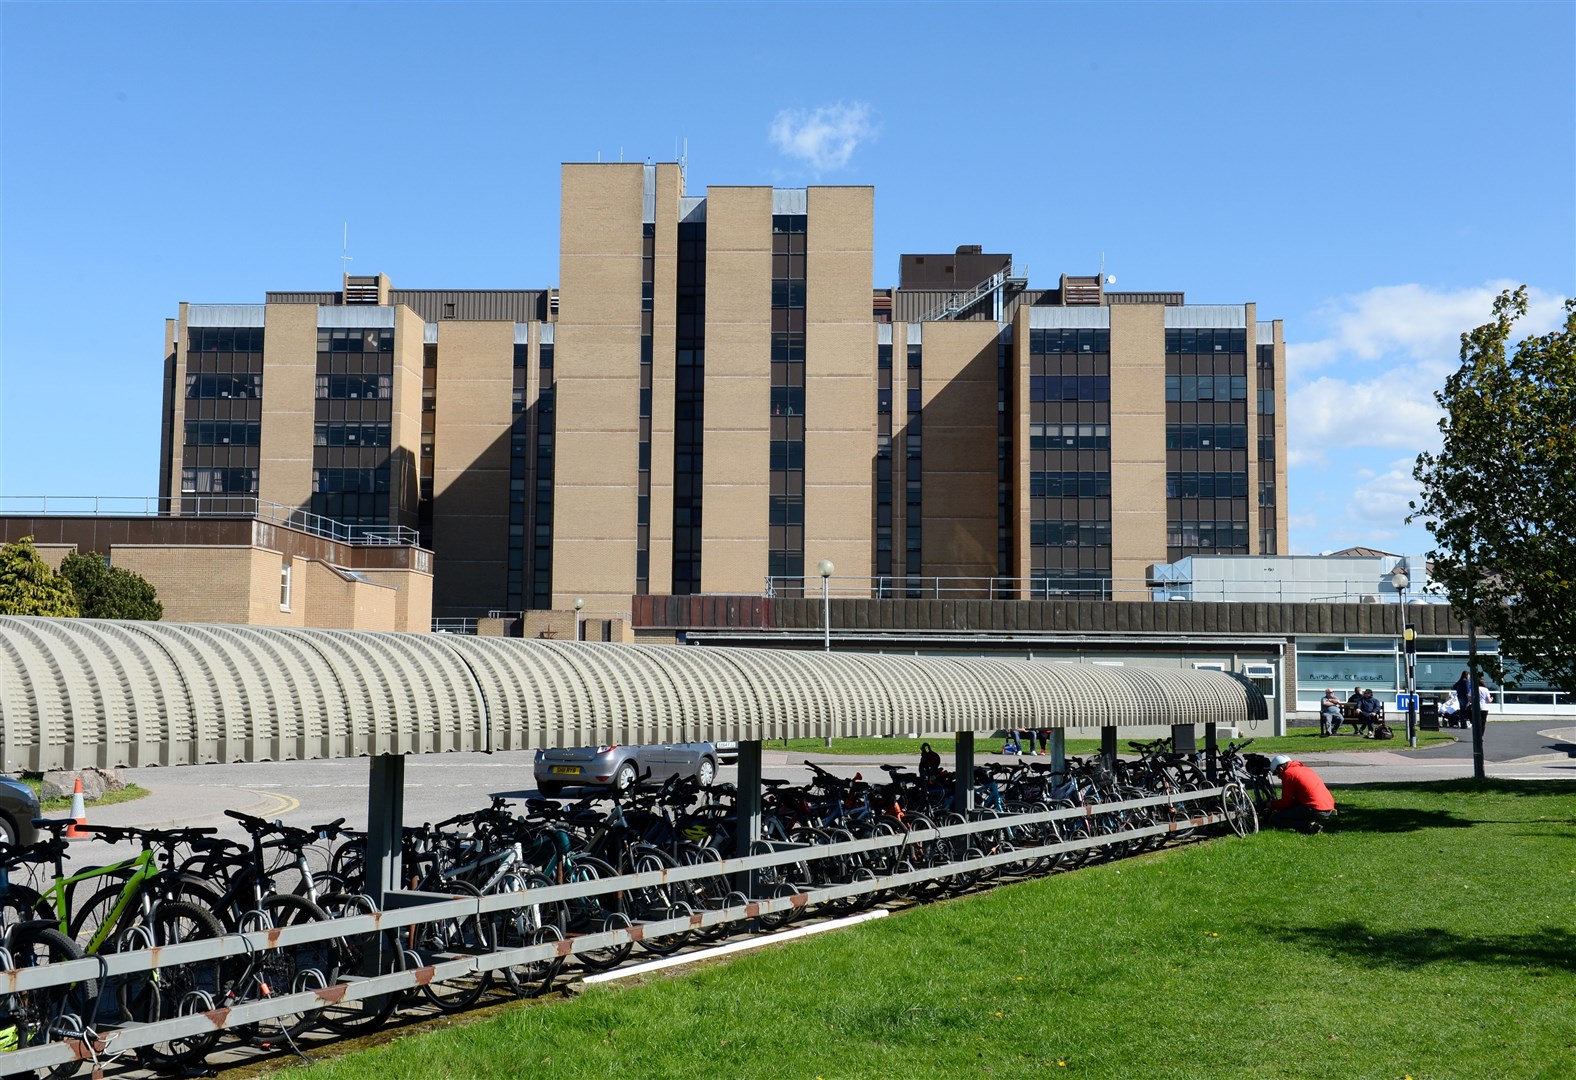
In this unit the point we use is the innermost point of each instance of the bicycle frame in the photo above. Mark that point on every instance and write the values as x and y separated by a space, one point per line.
144 867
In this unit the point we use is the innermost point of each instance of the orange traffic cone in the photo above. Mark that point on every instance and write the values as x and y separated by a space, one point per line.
79 815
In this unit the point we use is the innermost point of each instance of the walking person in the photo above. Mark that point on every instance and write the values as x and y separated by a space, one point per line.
1463 691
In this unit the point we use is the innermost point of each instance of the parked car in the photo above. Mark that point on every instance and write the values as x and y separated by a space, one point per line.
619 767
727 751
18 808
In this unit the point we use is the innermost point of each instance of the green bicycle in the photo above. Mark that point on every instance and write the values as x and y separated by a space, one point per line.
140 906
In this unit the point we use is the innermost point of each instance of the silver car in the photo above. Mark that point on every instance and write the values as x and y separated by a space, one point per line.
619 767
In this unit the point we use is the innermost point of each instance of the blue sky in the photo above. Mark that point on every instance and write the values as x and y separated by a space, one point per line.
1370 173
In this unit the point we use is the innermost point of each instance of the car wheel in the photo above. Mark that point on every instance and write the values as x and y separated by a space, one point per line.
7 831
625 777
548 789
707 772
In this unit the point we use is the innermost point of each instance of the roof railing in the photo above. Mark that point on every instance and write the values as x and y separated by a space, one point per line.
192 504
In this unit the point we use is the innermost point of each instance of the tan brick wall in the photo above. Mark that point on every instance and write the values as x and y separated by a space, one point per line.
177 423
597 371
54 554
284 472
663 363
840 365
405 426
958 394
1138 445
241 585
201 584
341 603
470 467
738 388
412 612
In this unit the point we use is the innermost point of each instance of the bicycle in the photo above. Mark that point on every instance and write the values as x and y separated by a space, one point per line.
51 1013
142 907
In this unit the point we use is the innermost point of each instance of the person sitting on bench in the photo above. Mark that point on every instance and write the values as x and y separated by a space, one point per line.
1370 712
1330 719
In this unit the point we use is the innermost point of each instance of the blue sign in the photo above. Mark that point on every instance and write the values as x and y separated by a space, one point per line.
1405 702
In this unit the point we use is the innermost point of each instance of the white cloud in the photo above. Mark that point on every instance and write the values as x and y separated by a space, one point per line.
1371 382
1418 322
1385 495
1397 410
823 138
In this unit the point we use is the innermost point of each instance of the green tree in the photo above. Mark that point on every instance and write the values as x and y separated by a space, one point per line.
1500 495
29 587
109 592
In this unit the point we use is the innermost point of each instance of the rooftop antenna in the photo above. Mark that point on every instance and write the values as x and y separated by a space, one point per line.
344 253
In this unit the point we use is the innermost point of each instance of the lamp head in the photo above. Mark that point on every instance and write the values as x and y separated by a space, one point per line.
826 568
579 602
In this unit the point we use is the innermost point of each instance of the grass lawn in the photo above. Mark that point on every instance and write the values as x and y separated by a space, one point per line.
1300 741
1427 935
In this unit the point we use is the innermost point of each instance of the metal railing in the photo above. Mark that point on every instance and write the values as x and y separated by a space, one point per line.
933 587
454 626
962 301
190 504
410 908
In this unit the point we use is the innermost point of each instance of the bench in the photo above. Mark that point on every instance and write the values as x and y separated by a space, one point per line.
1351 715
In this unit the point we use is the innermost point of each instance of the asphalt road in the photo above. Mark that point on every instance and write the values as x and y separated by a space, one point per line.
438 786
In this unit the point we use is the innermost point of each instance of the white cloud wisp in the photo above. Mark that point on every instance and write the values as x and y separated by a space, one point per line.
825 138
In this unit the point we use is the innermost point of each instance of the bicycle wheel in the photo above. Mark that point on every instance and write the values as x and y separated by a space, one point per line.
775 882
445 939
925 854
19 903
528 924
49 1013
596 913
289 969
363 955
174 990
707 893
654 903
1237 805
349 864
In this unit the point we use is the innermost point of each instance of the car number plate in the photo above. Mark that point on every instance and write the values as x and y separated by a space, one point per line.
566 770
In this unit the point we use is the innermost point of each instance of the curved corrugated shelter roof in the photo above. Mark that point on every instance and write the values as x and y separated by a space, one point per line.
81 692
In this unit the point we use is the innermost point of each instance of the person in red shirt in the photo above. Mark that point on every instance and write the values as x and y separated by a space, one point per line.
1305 803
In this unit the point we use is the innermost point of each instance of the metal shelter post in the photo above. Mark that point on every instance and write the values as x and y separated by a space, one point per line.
385 825
747 820
1108 745
1059 749
963 763
1211 748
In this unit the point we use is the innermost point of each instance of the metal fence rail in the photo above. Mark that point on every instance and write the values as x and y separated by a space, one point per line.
410 908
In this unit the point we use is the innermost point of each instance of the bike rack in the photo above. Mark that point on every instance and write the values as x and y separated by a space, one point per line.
404 907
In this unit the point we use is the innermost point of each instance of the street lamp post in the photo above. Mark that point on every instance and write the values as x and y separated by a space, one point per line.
1401 579
579 603
826 569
